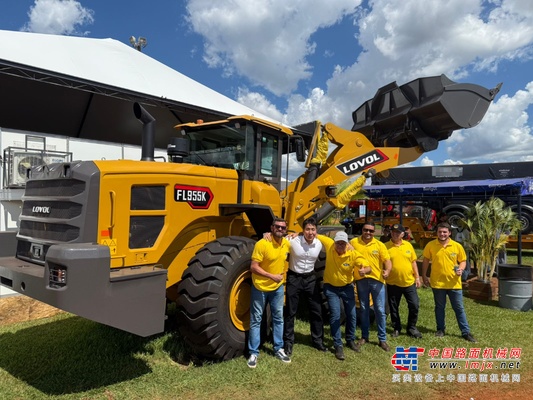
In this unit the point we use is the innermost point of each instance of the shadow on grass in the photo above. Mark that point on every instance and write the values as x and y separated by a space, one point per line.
72 355
175 345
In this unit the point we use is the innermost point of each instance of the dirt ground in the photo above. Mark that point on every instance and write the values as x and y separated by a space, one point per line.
15 309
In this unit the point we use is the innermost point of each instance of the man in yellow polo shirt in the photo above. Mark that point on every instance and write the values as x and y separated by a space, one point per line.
268 271
341 265
404 281
448 261
373 283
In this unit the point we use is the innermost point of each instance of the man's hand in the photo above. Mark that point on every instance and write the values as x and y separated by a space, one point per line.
369 173
277 278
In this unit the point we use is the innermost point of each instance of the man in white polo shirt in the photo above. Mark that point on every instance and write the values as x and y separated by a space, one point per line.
301 281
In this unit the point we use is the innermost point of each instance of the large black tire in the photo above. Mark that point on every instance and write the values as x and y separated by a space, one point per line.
527 222
214 298
454 218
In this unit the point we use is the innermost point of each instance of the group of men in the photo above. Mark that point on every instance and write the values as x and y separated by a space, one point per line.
375 269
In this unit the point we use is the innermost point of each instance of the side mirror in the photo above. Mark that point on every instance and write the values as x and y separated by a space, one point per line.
300 149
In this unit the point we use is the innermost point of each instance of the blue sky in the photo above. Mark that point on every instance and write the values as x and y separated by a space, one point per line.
300 60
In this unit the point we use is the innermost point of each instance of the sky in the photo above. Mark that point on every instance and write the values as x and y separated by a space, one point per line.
303 60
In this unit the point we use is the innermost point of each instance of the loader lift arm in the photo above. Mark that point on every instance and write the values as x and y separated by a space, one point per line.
395 127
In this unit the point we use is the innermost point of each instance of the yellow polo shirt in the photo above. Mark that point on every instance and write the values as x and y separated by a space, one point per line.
272 257
443 259
339 269
402 257
375 253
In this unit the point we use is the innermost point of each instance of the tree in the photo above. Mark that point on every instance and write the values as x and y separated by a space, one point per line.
490 224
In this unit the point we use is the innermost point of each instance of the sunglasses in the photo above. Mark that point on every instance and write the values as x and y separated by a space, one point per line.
280 227
368 230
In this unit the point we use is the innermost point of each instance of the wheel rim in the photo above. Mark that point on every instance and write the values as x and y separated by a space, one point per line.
239 301
454 220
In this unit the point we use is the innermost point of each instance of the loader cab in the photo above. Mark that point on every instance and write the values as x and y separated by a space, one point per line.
248 145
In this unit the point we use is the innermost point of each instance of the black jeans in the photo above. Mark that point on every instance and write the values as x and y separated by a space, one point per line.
395 296
307 286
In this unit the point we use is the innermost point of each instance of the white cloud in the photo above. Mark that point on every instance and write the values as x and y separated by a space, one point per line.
260 103
59 17
426 162
265 40
270 42
403 41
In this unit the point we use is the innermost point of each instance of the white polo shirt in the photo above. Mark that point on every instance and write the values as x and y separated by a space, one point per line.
304 255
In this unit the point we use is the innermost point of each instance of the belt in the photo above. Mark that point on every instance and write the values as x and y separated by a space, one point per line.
291 272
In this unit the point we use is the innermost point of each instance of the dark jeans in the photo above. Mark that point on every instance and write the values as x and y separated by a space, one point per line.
456 300
365 288
308 287
334 295
395 296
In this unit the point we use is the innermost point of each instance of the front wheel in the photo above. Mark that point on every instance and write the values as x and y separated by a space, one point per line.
214 298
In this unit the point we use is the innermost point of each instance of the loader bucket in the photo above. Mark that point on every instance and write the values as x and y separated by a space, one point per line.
421 112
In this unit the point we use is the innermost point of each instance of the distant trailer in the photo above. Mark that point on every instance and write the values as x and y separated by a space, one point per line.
447 173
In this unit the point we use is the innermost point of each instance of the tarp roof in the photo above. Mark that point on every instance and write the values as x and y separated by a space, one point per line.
522 186
85 88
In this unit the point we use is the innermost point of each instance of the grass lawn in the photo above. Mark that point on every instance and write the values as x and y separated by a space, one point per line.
67 357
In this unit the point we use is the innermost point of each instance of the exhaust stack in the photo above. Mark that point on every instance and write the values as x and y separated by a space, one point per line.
148 137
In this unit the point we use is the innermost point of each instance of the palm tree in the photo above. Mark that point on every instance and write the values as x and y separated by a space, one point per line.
490 224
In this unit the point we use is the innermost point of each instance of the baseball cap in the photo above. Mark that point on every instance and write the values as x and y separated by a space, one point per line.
398 227
341 237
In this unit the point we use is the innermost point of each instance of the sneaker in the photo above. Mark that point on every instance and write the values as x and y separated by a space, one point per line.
468 336
339 353
384 346
362 341
439 334
252 361
395 333
413 332
280 355
288 348
354 346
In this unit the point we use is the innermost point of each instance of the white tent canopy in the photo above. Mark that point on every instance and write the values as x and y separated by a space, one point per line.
85 88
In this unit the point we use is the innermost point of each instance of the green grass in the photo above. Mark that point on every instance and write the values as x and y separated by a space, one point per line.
67 357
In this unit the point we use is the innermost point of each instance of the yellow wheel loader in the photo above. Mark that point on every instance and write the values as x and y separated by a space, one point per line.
115 241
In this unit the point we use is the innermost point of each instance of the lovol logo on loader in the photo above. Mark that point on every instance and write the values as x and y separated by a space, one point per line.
363 162
197 197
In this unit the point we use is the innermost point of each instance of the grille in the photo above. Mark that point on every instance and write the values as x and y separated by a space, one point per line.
49 231
56 209
57 188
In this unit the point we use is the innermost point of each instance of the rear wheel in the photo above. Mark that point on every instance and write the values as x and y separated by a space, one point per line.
527 222
214 298
454 218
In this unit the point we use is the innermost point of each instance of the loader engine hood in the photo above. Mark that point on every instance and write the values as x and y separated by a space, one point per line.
421 112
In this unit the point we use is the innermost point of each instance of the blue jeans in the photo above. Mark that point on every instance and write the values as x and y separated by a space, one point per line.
365 287
257 307
334 295
456 299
